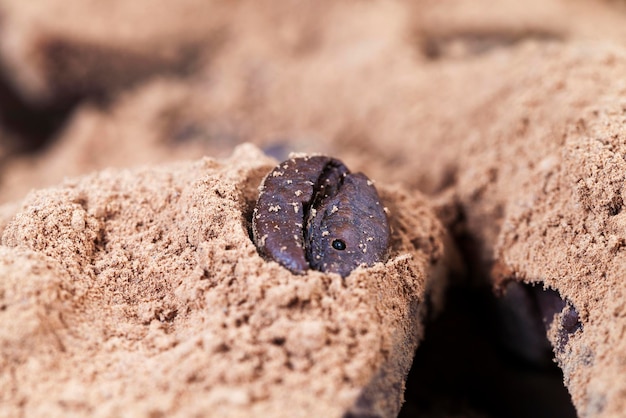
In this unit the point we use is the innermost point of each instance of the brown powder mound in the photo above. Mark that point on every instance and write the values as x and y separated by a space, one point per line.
573 240
132 132
96 47
540 180
459 30
141 293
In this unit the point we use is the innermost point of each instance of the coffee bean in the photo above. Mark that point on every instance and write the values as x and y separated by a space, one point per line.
530 312
313 213
552 307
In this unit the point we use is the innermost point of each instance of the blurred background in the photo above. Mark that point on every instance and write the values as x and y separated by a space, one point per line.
390 87
88 84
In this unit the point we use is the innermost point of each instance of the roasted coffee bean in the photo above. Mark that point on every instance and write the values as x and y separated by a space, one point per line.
313 213
552 307
545 306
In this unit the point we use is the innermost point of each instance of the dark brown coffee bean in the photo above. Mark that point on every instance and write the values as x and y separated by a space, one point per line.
530 312
552 307
312 212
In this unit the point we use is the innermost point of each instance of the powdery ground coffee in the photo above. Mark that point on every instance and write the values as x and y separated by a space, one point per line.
140 293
